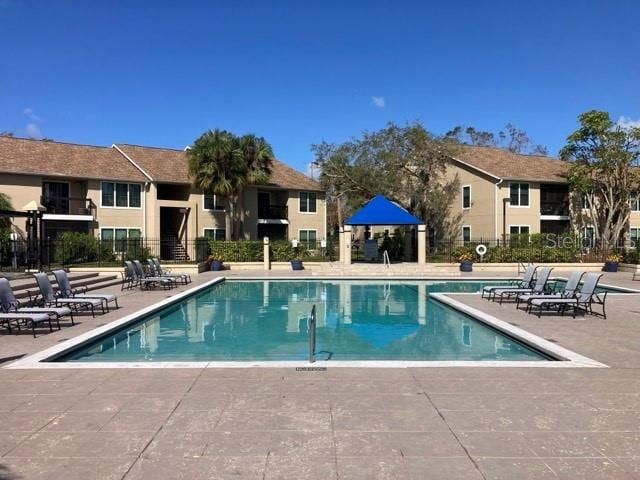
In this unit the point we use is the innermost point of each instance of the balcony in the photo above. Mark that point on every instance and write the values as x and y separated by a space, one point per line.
554 209
68 208
273 212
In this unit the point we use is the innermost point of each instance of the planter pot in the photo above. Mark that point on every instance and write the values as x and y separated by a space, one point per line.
610 266
216 265
296 265
466 266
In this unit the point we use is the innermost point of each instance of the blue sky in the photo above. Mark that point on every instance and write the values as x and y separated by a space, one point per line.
298 72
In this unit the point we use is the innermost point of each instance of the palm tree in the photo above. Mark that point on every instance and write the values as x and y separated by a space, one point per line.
216 167
257 156
5 204
222 164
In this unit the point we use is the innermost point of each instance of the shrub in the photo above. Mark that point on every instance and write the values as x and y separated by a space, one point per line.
236 251
78 247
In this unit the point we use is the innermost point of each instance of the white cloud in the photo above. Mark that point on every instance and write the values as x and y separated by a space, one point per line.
28 112
378 102
627 122
32 130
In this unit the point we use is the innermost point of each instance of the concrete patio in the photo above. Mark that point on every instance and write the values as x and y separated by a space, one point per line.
441 423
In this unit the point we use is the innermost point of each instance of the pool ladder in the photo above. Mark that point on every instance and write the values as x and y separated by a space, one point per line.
311 327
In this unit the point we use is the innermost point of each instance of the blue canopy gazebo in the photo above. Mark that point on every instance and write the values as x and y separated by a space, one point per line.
381 211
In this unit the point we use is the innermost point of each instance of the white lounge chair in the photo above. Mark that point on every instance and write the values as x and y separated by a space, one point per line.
538 287
583 300
65 290
568 291
525 282
10 304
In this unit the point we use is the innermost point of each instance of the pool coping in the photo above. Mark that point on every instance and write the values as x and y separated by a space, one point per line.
565 358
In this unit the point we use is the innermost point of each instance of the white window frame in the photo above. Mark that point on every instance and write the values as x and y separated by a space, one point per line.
585 202
520 195
215 202
637 237
462 197
204 230
308 230
520 228
585 236
634 197
308 192
128 229
462 233
102 182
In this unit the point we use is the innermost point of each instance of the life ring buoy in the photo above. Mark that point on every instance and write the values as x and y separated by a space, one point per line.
481 249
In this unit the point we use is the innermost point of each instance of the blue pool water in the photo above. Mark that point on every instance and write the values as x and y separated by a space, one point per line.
268 320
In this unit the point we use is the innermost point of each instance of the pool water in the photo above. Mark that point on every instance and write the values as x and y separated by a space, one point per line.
268 320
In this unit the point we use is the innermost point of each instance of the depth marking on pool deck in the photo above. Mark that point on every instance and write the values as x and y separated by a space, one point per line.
566 358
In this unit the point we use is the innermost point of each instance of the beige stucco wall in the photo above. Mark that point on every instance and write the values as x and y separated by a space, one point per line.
306 221
481 215
115 217
520 215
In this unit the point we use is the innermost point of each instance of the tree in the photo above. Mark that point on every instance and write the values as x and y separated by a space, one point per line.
603 169
222 164
510 138
5 204
407 164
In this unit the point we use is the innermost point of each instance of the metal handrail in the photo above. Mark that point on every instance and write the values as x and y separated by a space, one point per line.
385 259
311 326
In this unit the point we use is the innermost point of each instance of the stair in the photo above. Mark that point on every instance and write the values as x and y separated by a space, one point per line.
90 280
171 247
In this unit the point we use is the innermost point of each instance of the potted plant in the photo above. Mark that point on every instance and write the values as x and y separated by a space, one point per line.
611 262
466 262
215 264
296 263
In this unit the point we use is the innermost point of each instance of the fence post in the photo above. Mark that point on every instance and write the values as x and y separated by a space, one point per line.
265 253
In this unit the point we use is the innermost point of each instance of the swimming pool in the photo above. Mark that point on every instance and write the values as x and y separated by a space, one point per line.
268 320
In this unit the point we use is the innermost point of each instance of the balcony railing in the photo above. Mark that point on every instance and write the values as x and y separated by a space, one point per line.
273 212
68 205
548 208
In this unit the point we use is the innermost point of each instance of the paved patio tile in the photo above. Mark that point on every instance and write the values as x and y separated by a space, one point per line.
193 421
100 402
11 402
25 422
168 443
114 444
97 468
288 443
241 420
561 444
442 468
135 421
617 444
10 440
50 444
346 402
386 444
496 444
80 421
514 469
48 403
396 420
170 468
587 469
288 468
204 401
151 403
378 468
613 401
630 465
473 421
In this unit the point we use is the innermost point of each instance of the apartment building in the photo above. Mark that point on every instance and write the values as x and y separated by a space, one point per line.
503 193
130 191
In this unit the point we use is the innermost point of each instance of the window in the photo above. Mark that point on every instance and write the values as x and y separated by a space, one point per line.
588 240
215 233
308 238
634 236
519 229
466 196
307 202
519 194
119 239
634 202
585 202
212 202
121 195
466 234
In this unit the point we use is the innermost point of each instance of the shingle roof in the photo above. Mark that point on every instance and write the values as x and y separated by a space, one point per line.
169 165
28 156
512 166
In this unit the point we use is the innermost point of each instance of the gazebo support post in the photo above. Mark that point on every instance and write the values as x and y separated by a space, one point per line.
422 244
341 243
346 245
